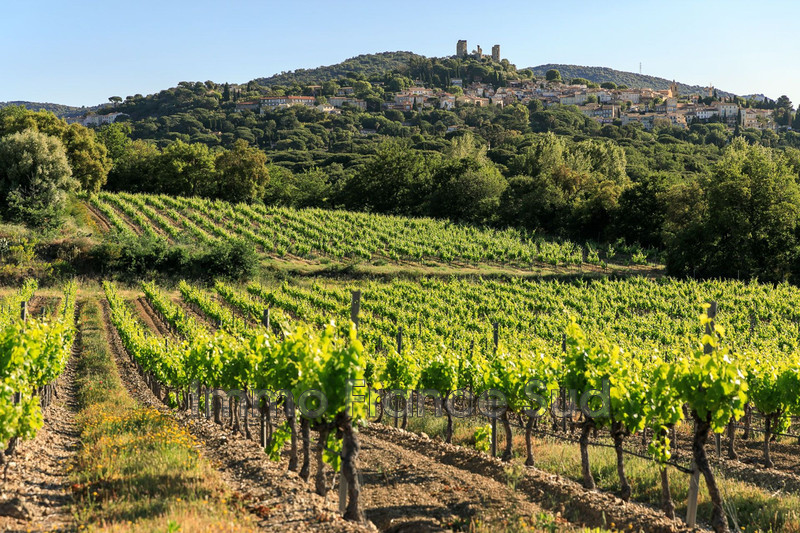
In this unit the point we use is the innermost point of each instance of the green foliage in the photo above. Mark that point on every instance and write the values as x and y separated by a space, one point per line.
137 257
184 168
280 436
711 383
116 138
467 190
332 454
88 158
565 189
59 110
483 438
362 65
746 225
32 354
552 75
135 167
396 181
242 173
35 178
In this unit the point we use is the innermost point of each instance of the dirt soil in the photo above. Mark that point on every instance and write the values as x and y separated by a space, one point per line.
150 317
191 310
37 305
100 219
572 501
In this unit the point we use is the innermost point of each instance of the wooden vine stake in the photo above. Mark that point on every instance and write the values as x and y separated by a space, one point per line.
694 482
691 504
355 307
496 339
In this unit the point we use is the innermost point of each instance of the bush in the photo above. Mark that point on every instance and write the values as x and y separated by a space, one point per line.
143 257
233 260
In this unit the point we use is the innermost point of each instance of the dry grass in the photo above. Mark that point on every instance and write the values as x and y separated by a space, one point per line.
138 470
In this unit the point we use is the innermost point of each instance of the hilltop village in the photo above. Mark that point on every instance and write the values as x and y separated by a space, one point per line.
606 102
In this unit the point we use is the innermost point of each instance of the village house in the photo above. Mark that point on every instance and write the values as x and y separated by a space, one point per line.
271 102
705 113
447 101
760 119
420 91
340 101
670 105
678 119
645 119
574 99
727 109
599 111
409 100
248 106
327 108
604 97
629 96
96 120
475 100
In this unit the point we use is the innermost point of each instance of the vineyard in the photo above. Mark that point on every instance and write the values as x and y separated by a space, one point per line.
34 354
450 402
660 371
341 236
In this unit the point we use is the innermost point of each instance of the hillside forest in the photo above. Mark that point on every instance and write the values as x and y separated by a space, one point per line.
718 201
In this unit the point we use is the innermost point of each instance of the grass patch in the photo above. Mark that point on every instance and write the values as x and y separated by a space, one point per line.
138 470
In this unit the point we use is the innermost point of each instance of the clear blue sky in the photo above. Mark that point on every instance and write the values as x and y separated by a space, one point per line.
80 53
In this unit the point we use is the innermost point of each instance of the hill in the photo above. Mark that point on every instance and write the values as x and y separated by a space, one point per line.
366 64
631 79
61 111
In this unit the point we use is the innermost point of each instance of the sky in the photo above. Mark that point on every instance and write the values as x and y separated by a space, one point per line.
83 52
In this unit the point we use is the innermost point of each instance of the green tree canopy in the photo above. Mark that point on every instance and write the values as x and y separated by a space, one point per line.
186 169
35 178
467 187
566 189
783 111
242 173
396 180
88 157
135 168
749 228
552 75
